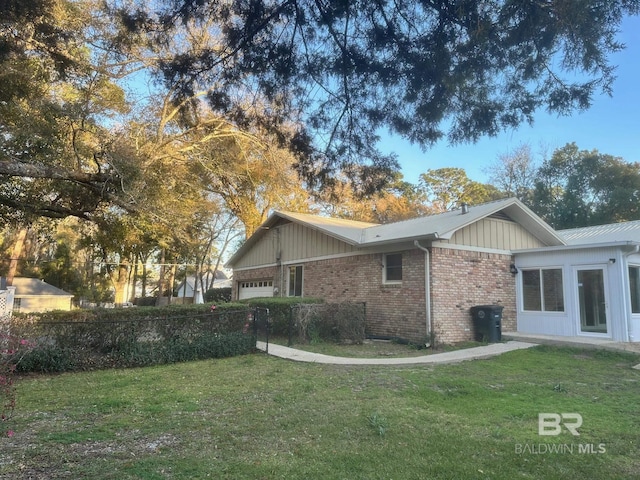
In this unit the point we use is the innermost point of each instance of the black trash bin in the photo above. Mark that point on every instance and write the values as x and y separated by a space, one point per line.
487 320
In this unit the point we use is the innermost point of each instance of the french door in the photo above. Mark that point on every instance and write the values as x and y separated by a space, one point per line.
592 300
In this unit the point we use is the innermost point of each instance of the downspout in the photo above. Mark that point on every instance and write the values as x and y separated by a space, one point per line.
427 289
279 266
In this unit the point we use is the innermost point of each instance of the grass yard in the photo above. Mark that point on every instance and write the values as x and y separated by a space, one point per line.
258 417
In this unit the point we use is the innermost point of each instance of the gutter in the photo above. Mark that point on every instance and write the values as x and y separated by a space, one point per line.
427 290
635 249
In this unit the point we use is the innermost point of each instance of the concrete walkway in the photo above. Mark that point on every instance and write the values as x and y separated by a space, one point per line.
455 356
580 341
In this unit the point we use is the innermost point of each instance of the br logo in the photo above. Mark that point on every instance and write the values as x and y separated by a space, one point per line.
552 423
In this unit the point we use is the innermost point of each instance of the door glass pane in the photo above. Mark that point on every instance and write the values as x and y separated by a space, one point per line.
634 285
591 299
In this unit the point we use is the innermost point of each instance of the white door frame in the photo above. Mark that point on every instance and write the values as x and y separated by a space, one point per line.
577 306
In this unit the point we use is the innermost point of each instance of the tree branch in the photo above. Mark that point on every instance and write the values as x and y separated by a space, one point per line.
17 168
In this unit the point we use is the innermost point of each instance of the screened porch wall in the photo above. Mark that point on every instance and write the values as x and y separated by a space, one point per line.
567 322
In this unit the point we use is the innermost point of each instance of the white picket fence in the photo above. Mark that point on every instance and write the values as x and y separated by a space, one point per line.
6 304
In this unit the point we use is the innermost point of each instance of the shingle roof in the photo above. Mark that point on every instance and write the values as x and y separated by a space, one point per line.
348 230
444 225
432 227
36 287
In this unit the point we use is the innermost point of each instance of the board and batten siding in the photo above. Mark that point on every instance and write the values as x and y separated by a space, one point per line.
294 242
497 234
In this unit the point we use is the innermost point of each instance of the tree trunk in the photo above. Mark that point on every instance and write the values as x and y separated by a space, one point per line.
132 297
172 279
121 283
143 260
15 255
161 279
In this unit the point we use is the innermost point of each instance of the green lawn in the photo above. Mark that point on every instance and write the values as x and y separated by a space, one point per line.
258 417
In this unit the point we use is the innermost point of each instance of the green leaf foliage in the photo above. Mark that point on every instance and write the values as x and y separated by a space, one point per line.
97 339
579 188
425 70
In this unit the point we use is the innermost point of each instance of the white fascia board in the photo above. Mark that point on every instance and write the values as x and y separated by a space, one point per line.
583 246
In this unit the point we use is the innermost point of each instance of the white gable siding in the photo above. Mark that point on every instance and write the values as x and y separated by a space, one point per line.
495 234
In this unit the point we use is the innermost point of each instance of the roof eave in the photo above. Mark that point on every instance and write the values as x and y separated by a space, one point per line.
272 220
253 239
532 222
581 246
428 237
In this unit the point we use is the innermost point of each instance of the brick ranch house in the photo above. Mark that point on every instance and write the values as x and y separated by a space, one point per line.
418 277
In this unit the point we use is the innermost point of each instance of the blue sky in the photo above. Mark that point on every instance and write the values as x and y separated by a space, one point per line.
611 126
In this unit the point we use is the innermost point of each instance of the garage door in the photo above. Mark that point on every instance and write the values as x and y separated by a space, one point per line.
255 288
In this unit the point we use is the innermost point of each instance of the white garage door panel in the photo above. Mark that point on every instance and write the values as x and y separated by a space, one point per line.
255 288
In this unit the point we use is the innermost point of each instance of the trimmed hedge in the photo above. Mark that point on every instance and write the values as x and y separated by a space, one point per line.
135 313
218 295
118 338
329 322
279 310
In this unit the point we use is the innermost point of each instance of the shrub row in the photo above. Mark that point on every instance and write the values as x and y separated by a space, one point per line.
136 313
280 309
218 295
83 340
330 322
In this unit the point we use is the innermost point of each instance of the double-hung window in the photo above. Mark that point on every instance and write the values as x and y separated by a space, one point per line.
542 290
295 281
392 268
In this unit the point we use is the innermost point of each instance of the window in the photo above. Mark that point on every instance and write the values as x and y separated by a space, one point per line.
542 290
295 281
634 286
393 268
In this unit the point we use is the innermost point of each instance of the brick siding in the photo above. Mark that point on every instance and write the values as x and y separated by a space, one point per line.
392 310
459 280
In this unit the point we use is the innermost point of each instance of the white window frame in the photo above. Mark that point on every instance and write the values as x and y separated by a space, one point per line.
541 290
301 267
385 280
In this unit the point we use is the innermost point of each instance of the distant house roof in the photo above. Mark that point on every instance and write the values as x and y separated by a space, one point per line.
432 227
220 280
34 287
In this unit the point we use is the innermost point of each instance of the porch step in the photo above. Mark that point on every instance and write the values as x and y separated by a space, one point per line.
586 342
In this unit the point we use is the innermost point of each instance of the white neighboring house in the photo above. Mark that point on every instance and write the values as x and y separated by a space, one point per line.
187 288
35 295
6 302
